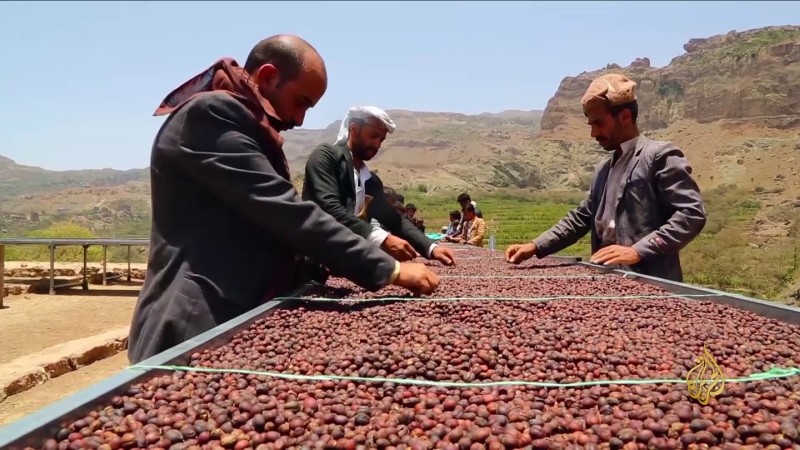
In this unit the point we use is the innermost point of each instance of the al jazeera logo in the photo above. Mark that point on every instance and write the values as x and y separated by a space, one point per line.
705 380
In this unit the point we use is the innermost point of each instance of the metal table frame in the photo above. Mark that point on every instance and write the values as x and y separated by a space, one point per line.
33 429
772 310
85 243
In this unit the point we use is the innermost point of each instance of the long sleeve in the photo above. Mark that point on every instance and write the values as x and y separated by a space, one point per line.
478 233
218 151
393 221
421 243
322 187
678 193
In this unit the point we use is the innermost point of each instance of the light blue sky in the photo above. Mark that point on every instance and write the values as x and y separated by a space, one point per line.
79 81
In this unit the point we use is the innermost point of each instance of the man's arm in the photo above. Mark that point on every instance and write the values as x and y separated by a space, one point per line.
567 231
677 192
218 152
408 231
393 221
322 187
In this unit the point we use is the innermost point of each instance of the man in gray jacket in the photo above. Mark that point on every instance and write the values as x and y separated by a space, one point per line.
643 206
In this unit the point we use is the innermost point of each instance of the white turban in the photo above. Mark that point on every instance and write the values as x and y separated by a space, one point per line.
363 113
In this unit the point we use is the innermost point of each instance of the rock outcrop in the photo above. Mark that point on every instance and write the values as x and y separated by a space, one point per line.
738 75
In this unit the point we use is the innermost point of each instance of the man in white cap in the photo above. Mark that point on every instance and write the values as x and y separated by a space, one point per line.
338 180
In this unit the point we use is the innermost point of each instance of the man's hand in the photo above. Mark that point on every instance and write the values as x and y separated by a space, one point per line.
417 278
400 249
518 253
616 254
444 255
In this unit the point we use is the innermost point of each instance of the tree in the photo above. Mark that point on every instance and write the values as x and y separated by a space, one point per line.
58 230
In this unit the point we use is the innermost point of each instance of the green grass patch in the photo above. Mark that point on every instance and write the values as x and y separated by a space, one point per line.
762 39
741 48
724 256
511 218
74 253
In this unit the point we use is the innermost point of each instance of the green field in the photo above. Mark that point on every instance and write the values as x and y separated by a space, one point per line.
512 220
724 256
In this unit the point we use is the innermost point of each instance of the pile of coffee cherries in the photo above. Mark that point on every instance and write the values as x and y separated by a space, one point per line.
345 368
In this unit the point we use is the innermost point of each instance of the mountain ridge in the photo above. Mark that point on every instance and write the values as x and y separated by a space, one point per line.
731 102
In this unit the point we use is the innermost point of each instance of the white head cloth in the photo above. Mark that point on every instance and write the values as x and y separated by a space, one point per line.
363 113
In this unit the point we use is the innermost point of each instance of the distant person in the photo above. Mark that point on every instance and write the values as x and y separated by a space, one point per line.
399 207
643 205
228 226
464 200
411 213
400 203
473 231
338 180
452 227
390 193
390 198
411 210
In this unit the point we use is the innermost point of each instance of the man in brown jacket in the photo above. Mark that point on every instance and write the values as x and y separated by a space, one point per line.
473 231
643 206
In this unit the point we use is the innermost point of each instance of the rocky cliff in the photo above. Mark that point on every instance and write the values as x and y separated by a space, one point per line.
739 75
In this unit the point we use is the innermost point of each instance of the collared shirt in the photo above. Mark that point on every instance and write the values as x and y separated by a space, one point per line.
461 221
378 234
467 228
360 177
605 221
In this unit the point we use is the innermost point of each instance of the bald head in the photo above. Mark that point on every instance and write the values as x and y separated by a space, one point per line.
290 74
288 53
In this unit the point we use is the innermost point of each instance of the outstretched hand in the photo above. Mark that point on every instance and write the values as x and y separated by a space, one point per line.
444 255
518 253
616 254
399 248
417 278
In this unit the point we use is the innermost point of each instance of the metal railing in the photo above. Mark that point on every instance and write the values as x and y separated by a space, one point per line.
83 242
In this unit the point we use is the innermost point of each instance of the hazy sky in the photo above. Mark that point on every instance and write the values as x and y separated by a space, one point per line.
79 81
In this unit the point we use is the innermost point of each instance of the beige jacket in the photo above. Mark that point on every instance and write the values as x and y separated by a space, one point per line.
474 232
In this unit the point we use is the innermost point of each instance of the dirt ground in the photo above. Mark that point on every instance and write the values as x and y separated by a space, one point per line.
22 404
30 323
10 265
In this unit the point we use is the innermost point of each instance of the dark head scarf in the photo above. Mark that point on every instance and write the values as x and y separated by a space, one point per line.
226 75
